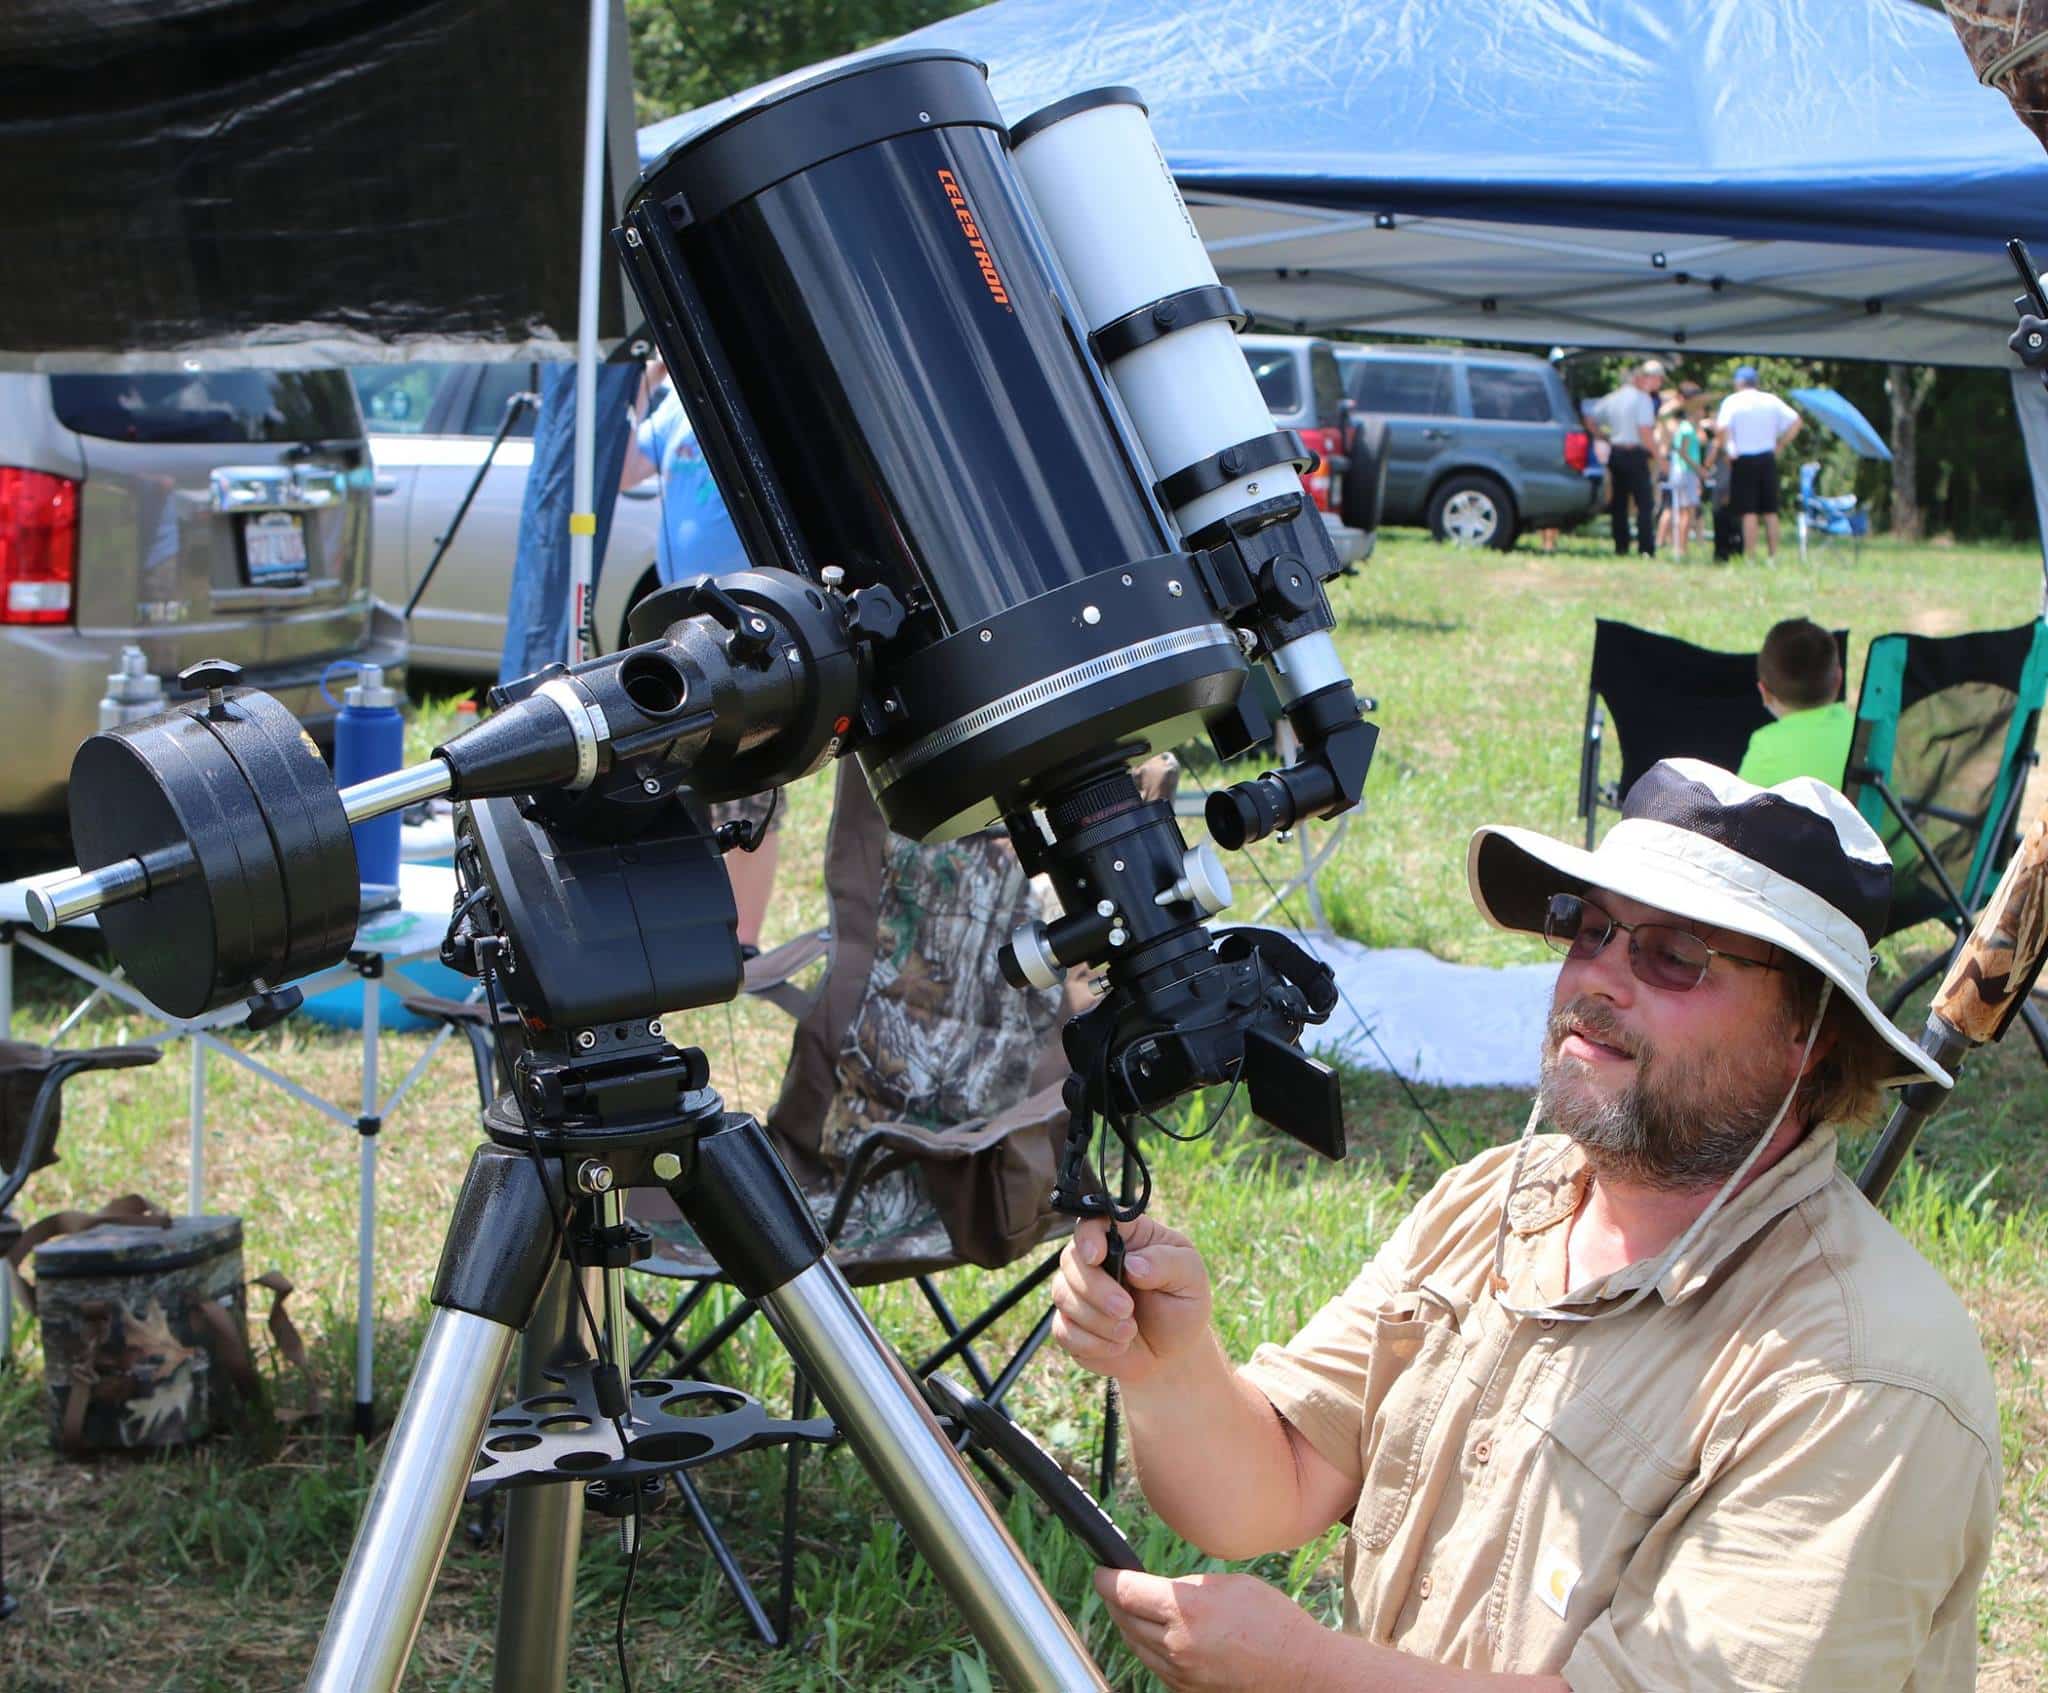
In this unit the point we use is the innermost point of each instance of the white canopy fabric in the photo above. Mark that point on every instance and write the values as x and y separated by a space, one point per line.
1312 270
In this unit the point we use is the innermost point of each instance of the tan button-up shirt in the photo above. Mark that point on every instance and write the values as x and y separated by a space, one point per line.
1779 1470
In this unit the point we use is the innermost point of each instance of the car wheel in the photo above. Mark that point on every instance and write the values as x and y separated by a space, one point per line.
1473 510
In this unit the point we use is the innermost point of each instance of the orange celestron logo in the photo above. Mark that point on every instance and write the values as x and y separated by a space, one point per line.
976 245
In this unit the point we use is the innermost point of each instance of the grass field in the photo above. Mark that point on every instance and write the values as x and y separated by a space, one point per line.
211 1570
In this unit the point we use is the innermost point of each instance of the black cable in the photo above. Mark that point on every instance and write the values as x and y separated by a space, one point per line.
761 828
626 1598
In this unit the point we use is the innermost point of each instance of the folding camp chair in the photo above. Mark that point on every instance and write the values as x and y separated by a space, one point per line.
891 1116
1944 743
1831 516
1668 699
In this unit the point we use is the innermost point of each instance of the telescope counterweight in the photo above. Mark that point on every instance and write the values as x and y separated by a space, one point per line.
85 892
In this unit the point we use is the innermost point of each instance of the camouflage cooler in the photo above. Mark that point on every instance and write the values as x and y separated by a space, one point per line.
142 1328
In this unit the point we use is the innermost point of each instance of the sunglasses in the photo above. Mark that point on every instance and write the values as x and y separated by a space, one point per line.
1660 955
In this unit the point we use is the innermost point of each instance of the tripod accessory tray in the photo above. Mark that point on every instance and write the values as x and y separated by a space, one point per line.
561 1435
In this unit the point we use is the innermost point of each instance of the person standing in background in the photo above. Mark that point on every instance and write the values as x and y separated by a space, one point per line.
697 533
1750 428
1684 456
1630 414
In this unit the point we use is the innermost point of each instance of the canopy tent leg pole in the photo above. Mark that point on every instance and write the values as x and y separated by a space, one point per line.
583 509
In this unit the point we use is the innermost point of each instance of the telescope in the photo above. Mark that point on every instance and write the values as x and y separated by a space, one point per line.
1018 519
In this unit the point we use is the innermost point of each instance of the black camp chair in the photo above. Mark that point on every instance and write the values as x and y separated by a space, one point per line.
1668 699
908 1175
1945 732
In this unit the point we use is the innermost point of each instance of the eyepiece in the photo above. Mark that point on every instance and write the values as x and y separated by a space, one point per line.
1250 811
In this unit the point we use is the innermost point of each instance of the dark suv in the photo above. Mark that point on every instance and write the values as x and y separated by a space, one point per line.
1480 445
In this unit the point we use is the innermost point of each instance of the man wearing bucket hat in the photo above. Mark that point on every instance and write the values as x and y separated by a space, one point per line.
1655 1400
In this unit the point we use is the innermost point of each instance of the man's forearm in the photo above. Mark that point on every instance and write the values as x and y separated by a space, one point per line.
1347 1663
1196 1422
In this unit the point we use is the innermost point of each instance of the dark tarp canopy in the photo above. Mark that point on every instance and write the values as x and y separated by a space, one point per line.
294 182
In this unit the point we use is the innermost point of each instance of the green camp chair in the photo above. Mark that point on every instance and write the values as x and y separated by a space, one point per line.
1945 730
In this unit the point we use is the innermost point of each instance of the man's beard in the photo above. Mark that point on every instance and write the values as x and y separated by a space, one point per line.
1682 1123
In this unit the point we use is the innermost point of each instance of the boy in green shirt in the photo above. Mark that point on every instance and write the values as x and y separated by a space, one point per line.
1799 674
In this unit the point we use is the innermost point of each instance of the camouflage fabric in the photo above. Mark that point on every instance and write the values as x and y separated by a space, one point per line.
134 1354
939 1039
2007 41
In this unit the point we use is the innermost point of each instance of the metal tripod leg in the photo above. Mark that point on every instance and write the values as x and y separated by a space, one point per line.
543 1528
413 1507
501 1248
744 1207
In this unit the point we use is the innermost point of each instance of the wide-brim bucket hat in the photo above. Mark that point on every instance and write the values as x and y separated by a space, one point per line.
1795 866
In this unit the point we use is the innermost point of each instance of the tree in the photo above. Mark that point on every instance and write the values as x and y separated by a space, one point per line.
689 52
1908 387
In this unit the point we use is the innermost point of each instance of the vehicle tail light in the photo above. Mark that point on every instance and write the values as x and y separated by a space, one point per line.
1577 444
1327 445
38 546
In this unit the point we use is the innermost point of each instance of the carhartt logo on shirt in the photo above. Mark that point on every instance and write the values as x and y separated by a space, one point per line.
1556 1576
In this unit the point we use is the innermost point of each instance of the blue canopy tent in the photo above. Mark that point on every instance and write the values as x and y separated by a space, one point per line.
1818 178
1822 178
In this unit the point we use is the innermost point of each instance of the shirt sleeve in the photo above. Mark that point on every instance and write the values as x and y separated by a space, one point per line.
1787 416
654 430
1838 1542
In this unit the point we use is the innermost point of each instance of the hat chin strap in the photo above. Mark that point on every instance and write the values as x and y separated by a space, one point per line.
1684 1243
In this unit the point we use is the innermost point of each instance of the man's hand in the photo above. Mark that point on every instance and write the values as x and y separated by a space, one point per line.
1130 1331
1204 1632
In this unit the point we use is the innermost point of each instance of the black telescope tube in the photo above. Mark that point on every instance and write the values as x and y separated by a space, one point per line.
856 294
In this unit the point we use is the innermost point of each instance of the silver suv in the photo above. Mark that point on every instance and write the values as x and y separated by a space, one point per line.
203 514
430 427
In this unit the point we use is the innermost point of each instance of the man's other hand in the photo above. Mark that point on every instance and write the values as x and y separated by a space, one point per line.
1205 1633
1129 1331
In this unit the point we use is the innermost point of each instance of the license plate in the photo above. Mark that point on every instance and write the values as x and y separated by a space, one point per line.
274 548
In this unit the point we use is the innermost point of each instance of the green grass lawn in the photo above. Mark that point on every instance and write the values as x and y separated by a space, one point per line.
211 1570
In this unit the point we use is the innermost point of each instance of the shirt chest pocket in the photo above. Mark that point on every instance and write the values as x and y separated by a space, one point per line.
1416 1351
1594 1488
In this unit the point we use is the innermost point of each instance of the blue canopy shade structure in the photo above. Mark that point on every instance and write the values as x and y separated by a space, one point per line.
1840 418
1810 177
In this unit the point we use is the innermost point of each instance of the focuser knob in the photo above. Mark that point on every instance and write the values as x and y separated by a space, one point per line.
1203 882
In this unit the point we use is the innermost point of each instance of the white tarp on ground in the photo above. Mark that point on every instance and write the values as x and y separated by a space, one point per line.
1451 1025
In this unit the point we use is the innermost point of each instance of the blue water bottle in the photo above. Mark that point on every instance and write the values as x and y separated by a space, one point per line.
369 740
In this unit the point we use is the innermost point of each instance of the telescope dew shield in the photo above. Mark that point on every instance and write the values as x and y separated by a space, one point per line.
1161 324
864 316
